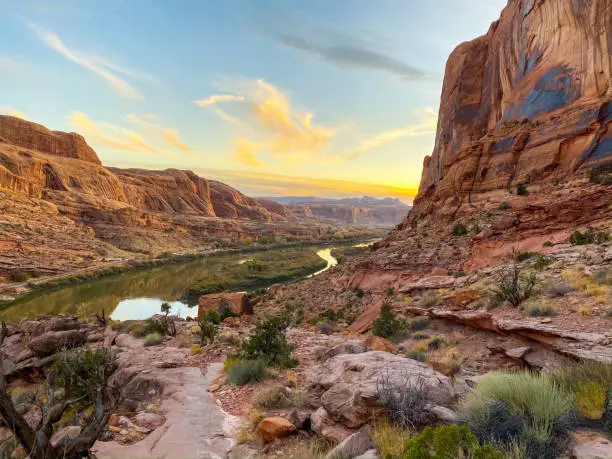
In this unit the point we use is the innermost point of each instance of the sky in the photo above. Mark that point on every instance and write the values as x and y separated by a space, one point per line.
331 98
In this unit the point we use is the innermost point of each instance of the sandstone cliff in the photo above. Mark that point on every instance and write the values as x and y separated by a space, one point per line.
529 102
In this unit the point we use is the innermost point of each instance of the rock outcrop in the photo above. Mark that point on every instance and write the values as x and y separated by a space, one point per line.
529 102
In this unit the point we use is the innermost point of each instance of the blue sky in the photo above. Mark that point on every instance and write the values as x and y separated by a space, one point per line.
334 98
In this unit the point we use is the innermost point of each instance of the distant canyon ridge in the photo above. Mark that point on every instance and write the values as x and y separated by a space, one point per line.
61 209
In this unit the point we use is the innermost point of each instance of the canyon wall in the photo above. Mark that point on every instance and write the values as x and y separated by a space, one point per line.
529 102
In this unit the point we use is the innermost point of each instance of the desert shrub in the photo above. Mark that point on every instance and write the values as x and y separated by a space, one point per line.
521 190
548 244
448 362
387 325
448 442
459 229
514 285
359 292
83 369
603 277
589 383
325 328
268 342
247 371
590 236
389 439
405 399
316 448
230 361
213 316
420 335
149 327
534 309
19 276
542 261
608 414
555 289
153 339
390 291
277 398
430 300
208 331
227 312
418 355
195 349
600 175
522 256
436 342
523 407
419 324
504 206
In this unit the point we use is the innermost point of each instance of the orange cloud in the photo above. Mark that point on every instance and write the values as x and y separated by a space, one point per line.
282 131
105 135
153 126
173 139
245 152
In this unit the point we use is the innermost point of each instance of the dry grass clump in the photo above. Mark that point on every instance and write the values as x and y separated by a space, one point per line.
389 439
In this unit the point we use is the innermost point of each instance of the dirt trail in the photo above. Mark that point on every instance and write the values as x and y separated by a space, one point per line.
196 427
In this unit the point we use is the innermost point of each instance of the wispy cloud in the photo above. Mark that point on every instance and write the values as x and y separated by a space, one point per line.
10 111
219 98
102 67
106 135
347 50
289 135
153 126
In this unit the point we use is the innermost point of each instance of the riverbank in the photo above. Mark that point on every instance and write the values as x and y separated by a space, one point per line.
17 290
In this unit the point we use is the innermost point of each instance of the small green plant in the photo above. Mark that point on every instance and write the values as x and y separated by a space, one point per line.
522 256
418 336
459 229
436 342
389 439
208 331
390 291
360 293
590 398
153 339
247 371
268 342
590 236
548 244
19 276
521 190
387 325
504 206
419 324
512 284
535 309
430 300
418 355
448 442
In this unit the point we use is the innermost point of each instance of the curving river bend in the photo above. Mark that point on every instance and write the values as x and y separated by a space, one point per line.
131 295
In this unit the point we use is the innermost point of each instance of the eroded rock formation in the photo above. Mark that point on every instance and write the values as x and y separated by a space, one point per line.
529 102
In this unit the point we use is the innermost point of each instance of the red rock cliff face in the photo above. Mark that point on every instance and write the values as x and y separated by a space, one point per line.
35 137
528 102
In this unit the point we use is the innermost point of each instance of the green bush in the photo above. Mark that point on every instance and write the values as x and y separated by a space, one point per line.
151 326
278 398
504 206
436 342
522 407
387 325
522 256
213 316
268 342
390 291
208 331
247 371
83 369
459 229
548 244
419 324
430 300
419 356
539 310
448 442
512 284
590 236
521 190
19 276
153 339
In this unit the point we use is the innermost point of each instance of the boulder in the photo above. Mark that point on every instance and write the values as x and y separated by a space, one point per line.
376 343
238 303
364 322
299 418
347 347
53 341
322 423
352 446
149 420
591 445
269 429
350 384
369 454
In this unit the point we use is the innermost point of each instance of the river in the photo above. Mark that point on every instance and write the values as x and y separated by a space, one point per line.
131 295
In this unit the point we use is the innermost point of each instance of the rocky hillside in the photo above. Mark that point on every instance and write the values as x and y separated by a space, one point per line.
62 209
367 211
527 103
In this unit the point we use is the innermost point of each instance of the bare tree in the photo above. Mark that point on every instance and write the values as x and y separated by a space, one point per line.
90 386
405 398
